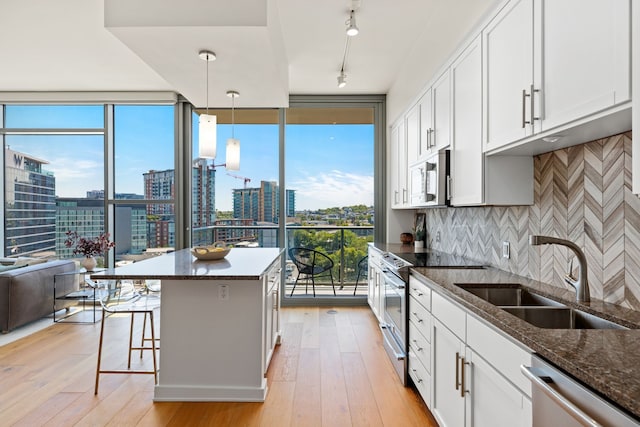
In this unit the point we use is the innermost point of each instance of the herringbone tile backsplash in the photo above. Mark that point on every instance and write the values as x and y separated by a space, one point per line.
581 193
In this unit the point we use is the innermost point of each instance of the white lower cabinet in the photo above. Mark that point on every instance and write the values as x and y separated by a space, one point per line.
492 399
375 298
448 398
473 369
271 313
420 338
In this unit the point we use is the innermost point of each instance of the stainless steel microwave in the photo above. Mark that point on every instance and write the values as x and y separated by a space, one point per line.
429 181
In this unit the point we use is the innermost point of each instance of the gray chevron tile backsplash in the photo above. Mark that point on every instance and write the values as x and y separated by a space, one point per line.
581 193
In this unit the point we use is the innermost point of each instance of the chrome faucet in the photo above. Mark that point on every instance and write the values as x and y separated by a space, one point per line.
580 284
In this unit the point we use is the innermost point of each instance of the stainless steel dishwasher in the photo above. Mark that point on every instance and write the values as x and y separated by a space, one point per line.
559 400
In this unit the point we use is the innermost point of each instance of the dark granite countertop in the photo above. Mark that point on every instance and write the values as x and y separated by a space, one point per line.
606 360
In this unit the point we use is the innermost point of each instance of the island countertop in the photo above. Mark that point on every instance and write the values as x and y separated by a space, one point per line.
239 264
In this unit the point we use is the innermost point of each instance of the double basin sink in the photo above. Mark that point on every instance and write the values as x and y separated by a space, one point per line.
535 309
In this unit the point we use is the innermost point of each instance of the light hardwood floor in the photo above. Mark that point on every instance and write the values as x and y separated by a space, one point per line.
331 370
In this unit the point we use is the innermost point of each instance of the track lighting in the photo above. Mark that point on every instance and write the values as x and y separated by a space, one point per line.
342 79
352 28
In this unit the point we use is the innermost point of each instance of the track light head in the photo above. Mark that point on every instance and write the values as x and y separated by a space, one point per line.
352 28
342 79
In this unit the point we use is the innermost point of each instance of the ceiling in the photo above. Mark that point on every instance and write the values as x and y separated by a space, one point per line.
266 49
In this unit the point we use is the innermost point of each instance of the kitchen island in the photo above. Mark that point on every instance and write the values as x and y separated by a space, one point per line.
219 322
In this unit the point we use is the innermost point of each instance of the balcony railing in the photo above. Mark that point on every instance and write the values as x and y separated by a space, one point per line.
345 245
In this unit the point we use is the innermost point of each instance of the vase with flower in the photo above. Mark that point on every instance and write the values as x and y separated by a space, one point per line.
90 247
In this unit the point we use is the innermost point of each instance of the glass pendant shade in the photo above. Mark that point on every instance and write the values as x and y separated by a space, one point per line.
207 136
233 154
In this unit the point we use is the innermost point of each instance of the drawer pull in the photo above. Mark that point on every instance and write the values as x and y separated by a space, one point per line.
419 379
417 291
418 348
416 314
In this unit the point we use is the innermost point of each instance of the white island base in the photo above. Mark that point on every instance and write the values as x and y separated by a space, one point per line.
219 322
212 341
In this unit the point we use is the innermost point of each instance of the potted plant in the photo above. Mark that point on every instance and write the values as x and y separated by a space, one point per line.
89 247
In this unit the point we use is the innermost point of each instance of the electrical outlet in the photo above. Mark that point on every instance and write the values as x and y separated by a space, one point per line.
438 237
505 250
223 292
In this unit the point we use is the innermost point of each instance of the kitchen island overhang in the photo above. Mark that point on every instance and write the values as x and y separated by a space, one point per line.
215 316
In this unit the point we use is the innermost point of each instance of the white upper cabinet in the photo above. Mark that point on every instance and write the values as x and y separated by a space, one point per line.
412 119
441 105
426 124
398 166
586 61
466 151
508 71
549 63
475 178
435 117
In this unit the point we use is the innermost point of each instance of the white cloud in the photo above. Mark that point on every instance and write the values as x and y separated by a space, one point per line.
332 189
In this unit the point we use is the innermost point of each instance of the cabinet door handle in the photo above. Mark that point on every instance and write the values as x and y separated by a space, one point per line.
404 195
457 371
462 375
524 107
533 117
395 197
276 295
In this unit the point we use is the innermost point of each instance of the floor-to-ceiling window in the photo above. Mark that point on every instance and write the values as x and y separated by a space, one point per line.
311 167
330 165
54 166
89 169
239 207
144 181
315 167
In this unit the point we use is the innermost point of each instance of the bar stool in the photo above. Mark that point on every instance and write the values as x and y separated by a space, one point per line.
124 299
151 287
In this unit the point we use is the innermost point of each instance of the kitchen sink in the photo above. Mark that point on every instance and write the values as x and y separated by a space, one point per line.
561 318
511 295
535 309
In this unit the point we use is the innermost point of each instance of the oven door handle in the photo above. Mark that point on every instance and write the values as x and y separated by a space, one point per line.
393 280
398 353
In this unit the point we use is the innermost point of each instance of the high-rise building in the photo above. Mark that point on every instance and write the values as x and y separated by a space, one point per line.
86 216
30 205
290 205
262 204
160 185
203 194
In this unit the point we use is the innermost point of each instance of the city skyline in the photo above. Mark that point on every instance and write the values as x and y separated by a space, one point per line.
327 165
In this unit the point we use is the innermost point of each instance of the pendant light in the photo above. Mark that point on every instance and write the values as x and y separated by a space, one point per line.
207 123
233 145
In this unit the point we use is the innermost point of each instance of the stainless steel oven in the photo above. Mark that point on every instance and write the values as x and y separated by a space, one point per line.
394 327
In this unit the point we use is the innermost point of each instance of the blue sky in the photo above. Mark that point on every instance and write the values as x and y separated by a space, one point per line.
327 165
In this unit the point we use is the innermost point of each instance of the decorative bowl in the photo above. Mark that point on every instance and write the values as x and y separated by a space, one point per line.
406 238
216 251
